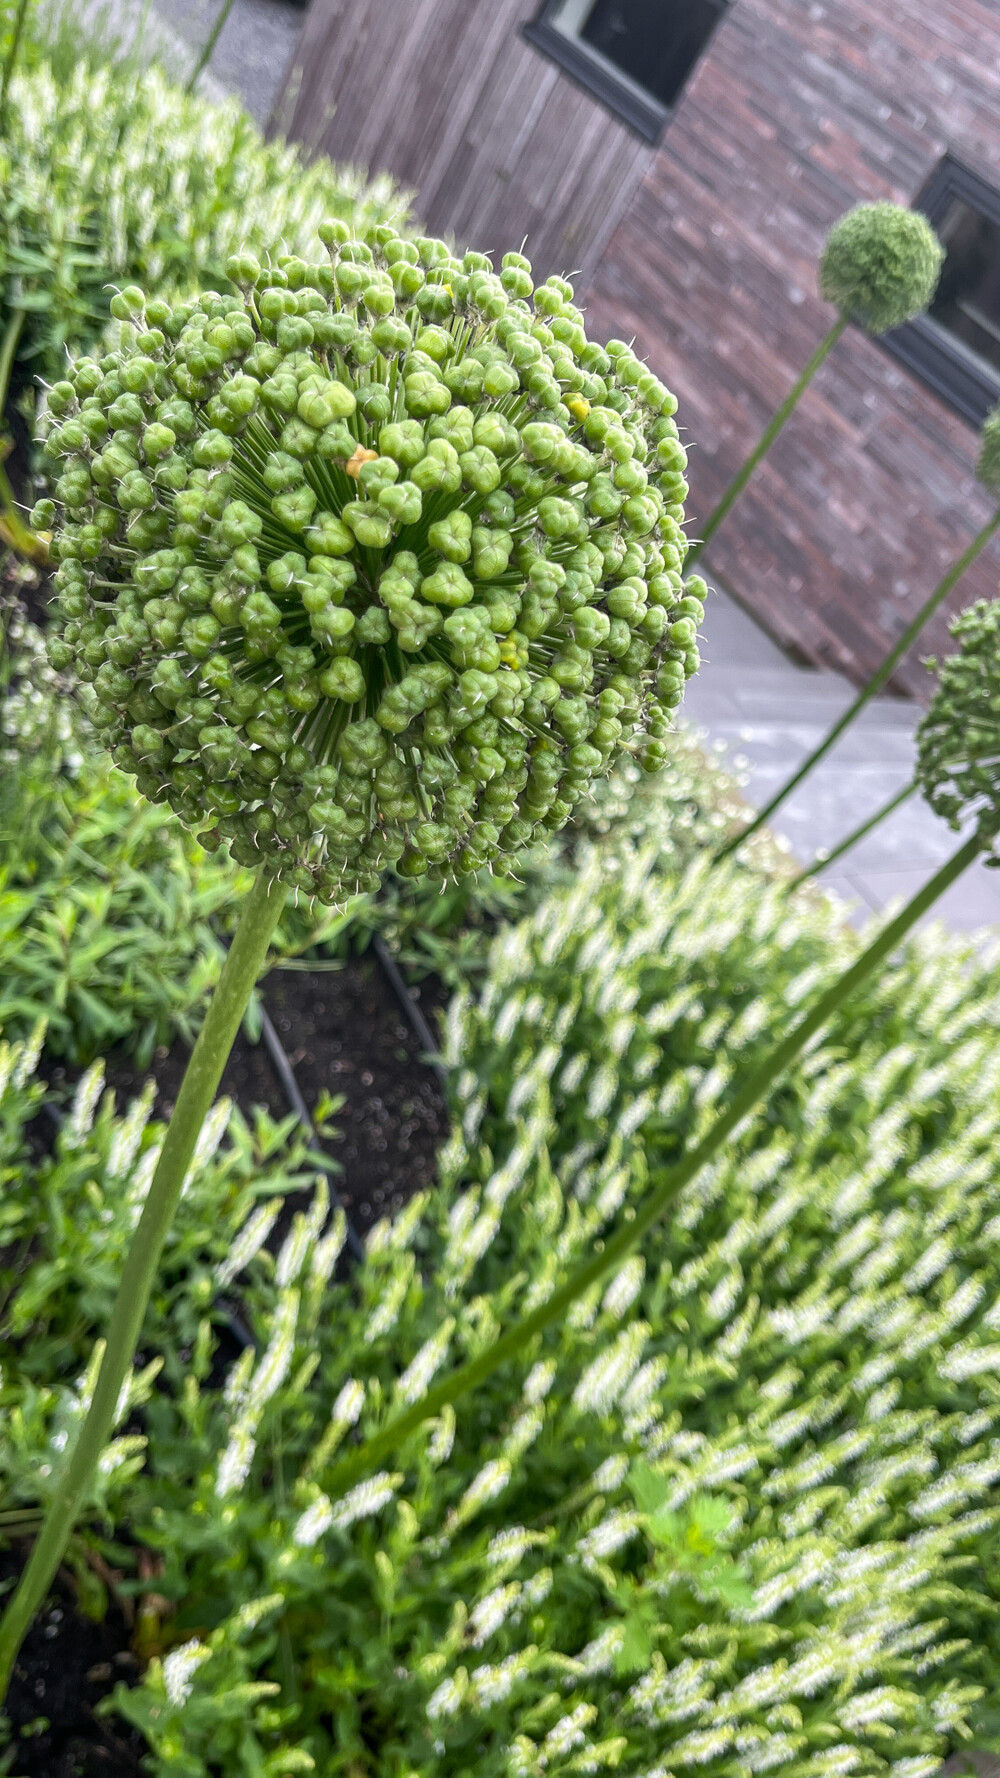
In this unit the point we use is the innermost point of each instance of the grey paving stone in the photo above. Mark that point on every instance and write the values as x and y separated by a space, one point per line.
770 713
254 48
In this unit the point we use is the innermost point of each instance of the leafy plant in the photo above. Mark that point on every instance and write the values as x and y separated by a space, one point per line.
106 904
106 179
790 1394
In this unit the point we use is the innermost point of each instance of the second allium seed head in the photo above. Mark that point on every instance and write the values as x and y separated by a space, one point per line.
378 562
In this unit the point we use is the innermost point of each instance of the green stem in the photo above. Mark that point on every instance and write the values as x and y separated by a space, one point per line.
350 1469
258 920
873 685
208 46
12 334
12 527
10 60
822 859
765 442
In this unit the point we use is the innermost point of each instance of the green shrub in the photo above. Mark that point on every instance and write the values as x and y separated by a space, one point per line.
105 179
105 902
734 1515
65 1220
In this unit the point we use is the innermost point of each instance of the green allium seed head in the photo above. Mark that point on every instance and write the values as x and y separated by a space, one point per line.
958 742
376 563
988 461
880 265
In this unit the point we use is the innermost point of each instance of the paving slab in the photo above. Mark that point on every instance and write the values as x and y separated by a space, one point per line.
770 714
254 48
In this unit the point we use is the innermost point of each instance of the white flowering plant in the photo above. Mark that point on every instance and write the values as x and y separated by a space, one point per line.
105 178
736 1511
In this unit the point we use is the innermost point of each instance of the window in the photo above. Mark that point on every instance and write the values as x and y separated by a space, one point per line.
633 55
955 347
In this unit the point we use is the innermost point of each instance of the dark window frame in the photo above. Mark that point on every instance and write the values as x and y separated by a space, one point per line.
644 115
923 345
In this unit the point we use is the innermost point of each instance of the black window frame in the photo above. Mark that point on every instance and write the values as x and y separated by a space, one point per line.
645 115
923 345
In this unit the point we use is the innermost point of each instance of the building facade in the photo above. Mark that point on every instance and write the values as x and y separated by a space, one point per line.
685 158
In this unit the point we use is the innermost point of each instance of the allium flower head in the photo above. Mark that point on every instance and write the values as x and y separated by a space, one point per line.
378 562
959 738
880 265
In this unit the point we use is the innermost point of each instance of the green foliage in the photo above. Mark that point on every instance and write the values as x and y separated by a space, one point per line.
105 902
65 1220
958 739
395 554
736 1514
106 177
880 265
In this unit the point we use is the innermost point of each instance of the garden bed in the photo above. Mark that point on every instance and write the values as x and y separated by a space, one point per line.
67 1665
345 1035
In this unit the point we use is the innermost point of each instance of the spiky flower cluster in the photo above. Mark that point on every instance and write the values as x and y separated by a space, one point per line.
880 265
376 563
958 742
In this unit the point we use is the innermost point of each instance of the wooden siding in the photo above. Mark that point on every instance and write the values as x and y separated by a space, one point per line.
496 142
797 112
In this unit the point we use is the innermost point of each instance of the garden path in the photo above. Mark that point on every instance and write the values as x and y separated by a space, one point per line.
771 713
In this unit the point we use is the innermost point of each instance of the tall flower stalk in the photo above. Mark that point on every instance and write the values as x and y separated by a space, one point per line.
377 563
243 964
663 1195
880 267
824 859
988 472
958 754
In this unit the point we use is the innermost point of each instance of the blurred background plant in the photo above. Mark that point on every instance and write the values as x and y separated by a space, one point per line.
111 172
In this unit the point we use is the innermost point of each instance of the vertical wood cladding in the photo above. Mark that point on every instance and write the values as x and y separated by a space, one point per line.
705 249
496 142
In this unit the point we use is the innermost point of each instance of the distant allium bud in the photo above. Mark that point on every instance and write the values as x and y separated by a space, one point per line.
988 461
379 563
880 265
958 742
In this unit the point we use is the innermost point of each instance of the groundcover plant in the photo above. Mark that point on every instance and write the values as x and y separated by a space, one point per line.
375 563
734 1513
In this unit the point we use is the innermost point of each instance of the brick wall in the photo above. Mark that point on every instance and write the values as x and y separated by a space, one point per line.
798 111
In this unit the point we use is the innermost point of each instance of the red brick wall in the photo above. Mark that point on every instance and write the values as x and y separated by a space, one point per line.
797 112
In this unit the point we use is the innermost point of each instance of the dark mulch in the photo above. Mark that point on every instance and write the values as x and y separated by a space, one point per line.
346 1034
67 1664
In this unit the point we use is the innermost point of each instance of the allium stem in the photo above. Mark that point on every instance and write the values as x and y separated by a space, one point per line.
879 678
258 920
13 531
755 1088
823 859
765 441
208 47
